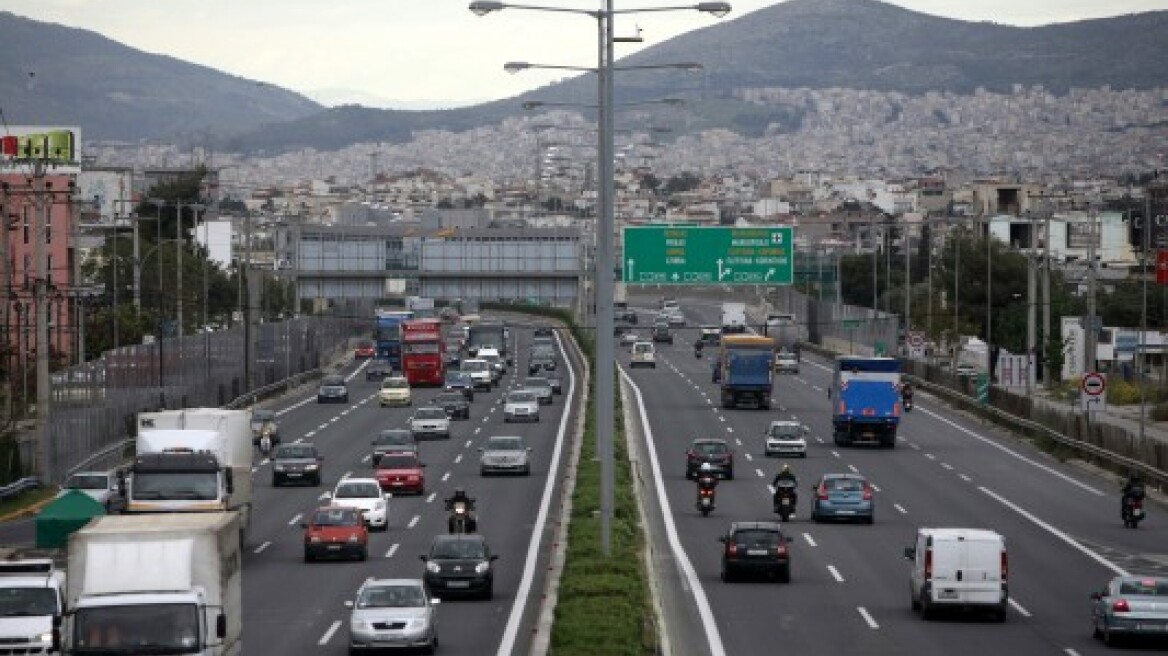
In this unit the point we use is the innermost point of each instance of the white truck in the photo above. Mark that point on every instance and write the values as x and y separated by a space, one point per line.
194 460
32 602
733 318
163 584
421 306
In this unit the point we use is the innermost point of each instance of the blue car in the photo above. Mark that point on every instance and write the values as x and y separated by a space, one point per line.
843 496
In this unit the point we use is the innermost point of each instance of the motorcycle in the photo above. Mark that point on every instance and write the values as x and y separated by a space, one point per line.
1133 512
705 503
265 444
785 500
908 404
698 351
461 520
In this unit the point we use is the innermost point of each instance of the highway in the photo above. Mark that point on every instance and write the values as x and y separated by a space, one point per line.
849 591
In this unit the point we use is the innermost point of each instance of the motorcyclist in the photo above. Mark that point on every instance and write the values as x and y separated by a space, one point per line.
1133 490
791 485
698 346
706 477
461 496
906 392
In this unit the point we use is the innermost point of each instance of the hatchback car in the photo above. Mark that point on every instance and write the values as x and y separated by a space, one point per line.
393 614
365 495
1130 606
662 334
505 454
454 403
461 382
392 440
716 452
394 391
786 438
460 564
401 472
296 463
332 389
335 532
520 405
755 548
365 349
542 388
555 381
264 421
843 496
378 370
430 422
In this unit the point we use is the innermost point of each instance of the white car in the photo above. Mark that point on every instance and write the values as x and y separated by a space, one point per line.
629 338
675 318
505 454
396 612
786 438
101 486
496 361
521 405
430 421
786 363
480 373
644 355
365 495
394 390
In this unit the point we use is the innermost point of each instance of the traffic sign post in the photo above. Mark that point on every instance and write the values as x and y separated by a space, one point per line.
1092 392
692 255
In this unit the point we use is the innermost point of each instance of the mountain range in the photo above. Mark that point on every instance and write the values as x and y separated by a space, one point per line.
116 92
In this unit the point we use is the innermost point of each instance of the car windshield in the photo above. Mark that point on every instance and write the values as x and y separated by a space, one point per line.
474 365
455 376
430 413
336 517
392 596
458 549
711 448
295 451
358 491
757 538
27 602
1145 587
643 348
504 444
785 431
395 437
520 397
87 482
333 382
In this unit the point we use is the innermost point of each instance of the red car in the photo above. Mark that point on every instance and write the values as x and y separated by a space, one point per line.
401 472
335 532
365 350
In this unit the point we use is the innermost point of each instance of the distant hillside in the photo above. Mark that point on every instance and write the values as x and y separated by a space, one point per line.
60 75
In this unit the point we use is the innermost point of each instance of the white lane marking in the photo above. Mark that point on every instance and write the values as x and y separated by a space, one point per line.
867 617
263 546
322 427
738 441
760 474
853 468
1015 454
900 508
819 439
721 418
730 429
347 474
469 442
1119 571
367 457
964 478
414 521
392 550
430 499
328 635
306 436
476 432
835 574
875 488
771 489
324 495
749 457
1018 607
295 519
253 469
458 458
445 477
511 631
947 466
835 453
930 456
810 540
705 612
1071 652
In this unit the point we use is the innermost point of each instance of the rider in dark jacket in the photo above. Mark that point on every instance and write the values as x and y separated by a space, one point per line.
1133 489
785 474
460 495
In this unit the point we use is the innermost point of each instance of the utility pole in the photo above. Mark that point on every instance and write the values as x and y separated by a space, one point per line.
1092 335
907 282
1031 308
5 296
245 302
42 194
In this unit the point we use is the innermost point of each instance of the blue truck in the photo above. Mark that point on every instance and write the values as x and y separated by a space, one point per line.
865 396
744 370
387 335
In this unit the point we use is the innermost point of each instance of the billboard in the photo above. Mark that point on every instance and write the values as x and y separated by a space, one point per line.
58 147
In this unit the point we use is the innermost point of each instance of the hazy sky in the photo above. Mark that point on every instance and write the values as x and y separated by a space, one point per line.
407 51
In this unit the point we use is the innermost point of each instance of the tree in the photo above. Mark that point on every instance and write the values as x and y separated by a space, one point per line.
682 182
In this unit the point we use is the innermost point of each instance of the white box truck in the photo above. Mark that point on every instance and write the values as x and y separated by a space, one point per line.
32 602
161 584
733 318
192 460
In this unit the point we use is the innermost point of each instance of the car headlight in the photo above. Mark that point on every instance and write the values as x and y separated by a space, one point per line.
354 538
314 539
279 468
312 467
415 624
380 505
44 638
433 567
482 567
359 625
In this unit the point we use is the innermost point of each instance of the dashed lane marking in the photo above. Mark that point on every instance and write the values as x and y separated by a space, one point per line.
867 617
810 540
900 508
414 521
263 546
328 635
392 550
1018 607
835 574
295 519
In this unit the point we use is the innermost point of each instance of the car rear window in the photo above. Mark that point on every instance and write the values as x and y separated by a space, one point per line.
1145 587
295 452
430 413
711 447
757 537
398 462
844 484
359 491
336 517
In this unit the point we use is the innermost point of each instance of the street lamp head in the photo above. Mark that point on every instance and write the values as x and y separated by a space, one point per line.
515 67
718 9
484 7
532 104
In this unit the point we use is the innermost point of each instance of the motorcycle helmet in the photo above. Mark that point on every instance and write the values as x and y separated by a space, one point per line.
786 469
459 493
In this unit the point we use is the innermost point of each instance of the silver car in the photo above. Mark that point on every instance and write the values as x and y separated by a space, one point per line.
1131 606
393 614
542 388
521 405
786 438
505 454
430 421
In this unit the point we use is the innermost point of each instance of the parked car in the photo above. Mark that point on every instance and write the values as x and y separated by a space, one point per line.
335 532
401 472
263 421
394 391
430 422
365 349
757 548
101 486
393 613
378 370
520 405
461 382
542 388
960 568
298 462
332 389
843 496
715 451
459 564
365 495
505 454
1130 606
786 438
392 440
454 403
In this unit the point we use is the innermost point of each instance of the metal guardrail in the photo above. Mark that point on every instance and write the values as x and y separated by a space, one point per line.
16 487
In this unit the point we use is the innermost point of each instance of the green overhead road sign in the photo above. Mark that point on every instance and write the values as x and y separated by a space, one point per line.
690 255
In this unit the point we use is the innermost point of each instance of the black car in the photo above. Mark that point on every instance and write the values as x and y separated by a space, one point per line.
537 364
455 405
296 463
758 548
378 370
543 331
332 388
555 381
391 440
712 450
459 381
662 334
459 564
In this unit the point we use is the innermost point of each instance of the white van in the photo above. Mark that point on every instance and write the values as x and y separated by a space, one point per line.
644 354
959 568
